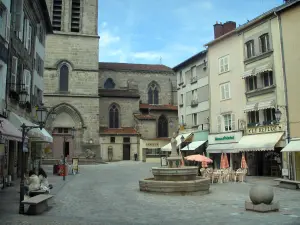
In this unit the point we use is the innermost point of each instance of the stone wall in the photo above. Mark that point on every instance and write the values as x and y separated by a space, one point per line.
126 106
142 80
79 51
118 147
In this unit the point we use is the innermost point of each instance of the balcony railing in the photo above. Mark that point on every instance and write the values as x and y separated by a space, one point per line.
194 80
264 123
194 103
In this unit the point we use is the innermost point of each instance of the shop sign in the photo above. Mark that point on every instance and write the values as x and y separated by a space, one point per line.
153 145
224 138
264 129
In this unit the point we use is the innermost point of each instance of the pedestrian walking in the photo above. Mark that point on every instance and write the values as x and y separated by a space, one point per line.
135 156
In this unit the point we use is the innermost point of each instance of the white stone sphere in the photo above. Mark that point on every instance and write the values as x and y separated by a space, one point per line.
261 194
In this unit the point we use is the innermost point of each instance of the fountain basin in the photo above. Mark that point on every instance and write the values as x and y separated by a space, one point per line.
198 185
175 174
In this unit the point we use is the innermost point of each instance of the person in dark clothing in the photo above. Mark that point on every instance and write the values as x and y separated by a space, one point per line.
135 156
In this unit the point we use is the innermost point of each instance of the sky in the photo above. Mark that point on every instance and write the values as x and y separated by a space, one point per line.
166 31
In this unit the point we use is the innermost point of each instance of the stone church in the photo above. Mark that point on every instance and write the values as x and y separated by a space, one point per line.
117 109
71 76
138 110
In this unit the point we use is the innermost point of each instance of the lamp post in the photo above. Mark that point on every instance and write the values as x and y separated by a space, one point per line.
23 96
41 113
64 150
1 137
278 114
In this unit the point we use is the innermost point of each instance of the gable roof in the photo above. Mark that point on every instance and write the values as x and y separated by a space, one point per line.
190 60
257 19
134 67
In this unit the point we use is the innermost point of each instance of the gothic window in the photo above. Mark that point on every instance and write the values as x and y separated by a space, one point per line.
64 78
163 126
153 94
109 84
114 117
56 14
75 16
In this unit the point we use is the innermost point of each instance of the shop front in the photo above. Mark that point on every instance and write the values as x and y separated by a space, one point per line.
198 144
187 137
37 140
10 140
150 149
262 146
224 143
293 149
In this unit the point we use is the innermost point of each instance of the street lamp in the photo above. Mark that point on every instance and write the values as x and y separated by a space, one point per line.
64 150
23 96
182 139
171 123
278 114
41 115
1 137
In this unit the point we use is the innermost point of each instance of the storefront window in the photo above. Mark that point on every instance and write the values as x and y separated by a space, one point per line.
153 153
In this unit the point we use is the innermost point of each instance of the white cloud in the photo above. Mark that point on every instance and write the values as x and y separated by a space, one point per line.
103 25
184 48
206 5
146 55
107 38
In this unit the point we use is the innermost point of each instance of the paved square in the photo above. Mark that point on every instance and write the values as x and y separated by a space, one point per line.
109 194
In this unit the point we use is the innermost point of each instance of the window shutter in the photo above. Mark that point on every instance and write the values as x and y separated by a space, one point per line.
189 98
233 121
29 38
226 66
18 16
219 123
14 72
222 92
21 26
27 82
2 88
26 32
221 65
189 120
227 91
7 32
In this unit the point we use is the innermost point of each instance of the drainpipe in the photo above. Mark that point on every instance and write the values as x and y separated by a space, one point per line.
291 175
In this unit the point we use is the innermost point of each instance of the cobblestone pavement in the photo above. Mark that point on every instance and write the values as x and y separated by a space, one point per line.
109 194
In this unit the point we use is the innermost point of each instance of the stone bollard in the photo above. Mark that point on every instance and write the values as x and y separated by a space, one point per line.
261 199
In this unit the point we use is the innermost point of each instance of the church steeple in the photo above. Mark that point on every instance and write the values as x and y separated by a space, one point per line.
74 16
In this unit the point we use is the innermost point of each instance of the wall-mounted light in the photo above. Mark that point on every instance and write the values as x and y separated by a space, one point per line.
278 114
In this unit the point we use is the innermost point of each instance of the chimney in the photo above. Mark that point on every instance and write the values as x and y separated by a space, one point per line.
218 30
229 26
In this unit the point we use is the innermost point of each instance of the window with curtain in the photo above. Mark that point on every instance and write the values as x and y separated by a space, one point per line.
163 126
114 117
64 78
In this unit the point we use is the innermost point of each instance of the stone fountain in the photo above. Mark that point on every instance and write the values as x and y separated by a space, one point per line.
175 178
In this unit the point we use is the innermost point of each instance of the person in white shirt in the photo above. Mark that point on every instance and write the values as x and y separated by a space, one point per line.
33 182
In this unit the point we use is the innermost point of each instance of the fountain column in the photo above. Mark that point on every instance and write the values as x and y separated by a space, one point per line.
174 159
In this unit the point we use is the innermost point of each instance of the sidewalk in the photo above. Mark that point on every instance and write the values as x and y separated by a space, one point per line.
9 197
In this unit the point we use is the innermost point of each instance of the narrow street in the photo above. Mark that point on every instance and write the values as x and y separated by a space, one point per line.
109 194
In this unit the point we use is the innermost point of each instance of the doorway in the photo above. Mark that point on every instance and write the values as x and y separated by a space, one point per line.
11 158
126 151
67 149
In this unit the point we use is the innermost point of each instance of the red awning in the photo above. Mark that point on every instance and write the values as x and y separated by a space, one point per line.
9 131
